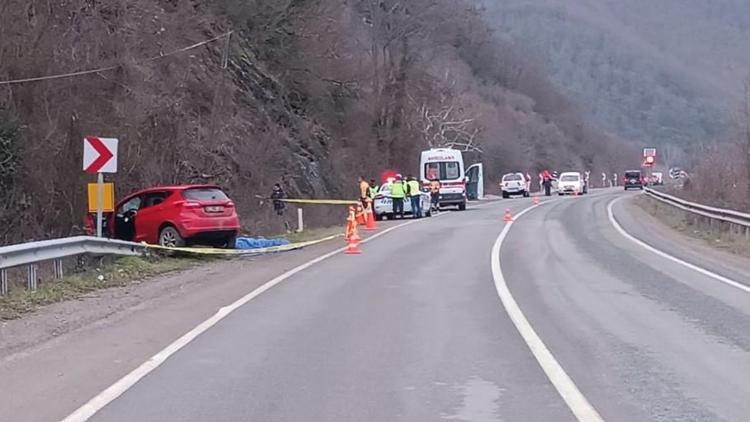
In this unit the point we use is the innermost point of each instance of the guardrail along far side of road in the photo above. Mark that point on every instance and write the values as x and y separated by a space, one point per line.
734 222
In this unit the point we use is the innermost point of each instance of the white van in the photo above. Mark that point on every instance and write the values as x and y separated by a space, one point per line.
446 165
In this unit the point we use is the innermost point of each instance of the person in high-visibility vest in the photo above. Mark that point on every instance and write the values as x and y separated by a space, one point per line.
374 188
398 192
414 192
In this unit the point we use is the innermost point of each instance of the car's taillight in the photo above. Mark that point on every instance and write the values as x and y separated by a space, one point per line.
230 204
191 205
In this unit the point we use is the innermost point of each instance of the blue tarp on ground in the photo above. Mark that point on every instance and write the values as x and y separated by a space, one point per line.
258 242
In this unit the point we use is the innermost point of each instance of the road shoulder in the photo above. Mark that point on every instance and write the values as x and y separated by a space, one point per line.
650 229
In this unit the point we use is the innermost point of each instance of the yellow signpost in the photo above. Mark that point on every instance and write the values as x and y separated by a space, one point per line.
108 201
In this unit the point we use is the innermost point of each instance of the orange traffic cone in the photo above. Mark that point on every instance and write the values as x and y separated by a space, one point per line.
351 223
508 217
352 248
535 200
370 226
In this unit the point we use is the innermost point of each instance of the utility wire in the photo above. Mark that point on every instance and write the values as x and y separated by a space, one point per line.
110 68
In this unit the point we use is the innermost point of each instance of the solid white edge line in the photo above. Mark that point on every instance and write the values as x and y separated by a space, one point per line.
122 385
718 277
576 401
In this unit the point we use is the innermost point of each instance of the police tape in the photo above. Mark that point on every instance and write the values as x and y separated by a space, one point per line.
256 251
321 201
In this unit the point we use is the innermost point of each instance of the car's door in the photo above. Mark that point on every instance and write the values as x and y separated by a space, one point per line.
124 219
150 216
475 182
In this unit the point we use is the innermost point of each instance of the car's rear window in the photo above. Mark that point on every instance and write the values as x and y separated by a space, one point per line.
633 174
204 194
512 177
570 178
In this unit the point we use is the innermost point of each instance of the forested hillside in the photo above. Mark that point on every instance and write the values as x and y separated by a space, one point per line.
310 94
654 71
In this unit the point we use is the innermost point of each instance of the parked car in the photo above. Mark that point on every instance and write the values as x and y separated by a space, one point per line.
571 183
513 184
175 216
382 205
632 179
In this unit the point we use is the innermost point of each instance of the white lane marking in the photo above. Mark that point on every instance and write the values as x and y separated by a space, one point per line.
576 401
114 391
721 278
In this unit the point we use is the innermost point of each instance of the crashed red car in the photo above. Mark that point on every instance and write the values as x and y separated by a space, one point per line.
174 216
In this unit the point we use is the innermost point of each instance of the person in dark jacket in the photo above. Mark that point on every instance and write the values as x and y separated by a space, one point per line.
277 194
547 182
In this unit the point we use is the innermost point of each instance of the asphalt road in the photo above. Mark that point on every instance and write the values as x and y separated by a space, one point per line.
413 329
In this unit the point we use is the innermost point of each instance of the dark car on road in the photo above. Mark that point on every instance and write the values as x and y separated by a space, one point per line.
633 179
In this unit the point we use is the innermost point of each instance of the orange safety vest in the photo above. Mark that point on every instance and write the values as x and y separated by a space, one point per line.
364 188
435 186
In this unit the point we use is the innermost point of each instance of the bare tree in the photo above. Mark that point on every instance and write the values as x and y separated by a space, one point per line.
447 127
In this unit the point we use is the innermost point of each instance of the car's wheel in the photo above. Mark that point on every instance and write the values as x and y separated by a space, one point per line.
505 195
525 194
378 217
462 206
170 237
230 242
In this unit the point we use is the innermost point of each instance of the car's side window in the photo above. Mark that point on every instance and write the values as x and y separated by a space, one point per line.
154 198
131 204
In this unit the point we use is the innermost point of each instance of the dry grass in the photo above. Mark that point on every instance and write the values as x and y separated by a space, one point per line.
719 238
313 234
116 272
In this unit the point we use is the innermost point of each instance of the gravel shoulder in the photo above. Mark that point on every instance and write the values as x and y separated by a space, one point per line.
711 251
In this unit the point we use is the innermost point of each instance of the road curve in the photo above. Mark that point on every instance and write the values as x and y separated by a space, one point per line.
413 330
643 337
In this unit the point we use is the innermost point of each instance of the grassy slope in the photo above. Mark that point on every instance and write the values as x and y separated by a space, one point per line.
119 272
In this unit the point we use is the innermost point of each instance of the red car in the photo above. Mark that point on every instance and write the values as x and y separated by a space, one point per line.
176 216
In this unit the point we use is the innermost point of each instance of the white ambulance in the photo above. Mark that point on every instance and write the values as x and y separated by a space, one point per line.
447 165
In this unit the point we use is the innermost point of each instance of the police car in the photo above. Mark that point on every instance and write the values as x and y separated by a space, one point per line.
513 184
382 205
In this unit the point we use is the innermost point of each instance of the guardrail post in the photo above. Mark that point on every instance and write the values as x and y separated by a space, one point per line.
31 280
300 223
58 269
3 282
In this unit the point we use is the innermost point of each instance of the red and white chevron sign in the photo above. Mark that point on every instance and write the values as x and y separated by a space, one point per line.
99 155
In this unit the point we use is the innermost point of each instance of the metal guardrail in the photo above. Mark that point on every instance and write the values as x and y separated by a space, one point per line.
32 253
733 217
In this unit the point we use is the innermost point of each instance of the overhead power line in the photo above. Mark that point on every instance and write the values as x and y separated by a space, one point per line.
110 68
